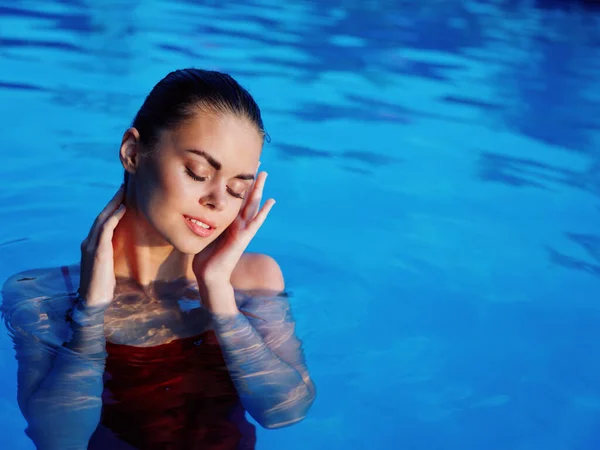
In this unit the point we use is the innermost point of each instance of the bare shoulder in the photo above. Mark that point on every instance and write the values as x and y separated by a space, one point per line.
33 294
40 283
257 271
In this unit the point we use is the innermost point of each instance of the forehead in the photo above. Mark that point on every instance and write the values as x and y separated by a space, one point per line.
232 140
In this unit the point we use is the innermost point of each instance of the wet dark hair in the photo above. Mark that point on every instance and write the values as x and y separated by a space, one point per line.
183 93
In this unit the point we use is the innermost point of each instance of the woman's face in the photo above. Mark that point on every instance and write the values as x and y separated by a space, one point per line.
192 187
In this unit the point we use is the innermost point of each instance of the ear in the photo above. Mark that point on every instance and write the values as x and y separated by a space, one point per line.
130 150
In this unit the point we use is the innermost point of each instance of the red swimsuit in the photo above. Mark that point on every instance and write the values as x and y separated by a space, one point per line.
175 396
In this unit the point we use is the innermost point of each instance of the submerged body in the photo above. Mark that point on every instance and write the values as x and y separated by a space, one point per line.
160 381
167 331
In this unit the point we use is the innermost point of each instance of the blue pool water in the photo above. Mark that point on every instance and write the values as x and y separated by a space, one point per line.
437 173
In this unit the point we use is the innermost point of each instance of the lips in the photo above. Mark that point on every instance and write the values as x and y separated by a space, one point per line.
200 227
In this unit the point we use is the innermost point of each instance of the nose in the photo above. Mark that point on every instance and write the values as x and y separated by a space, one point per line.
215 199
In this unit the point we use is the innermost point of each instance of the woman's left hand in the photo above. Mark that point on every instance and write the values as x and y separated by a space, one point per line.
214 265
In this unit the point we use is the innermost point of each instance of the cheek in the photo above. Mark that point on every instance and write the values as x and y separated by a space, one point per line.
158 191
235 210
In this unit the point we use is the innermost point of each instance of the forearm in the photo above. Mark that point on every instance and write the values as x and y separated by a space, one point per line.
65 410
271 390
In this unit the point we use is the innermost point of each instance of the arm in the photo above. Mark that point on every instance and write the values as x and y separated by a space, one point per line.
263 354
65 410
27 326
61 367
266 362
59 387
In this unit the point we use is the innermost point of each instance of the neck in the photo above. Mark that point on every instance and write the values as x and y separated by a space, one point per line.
144 256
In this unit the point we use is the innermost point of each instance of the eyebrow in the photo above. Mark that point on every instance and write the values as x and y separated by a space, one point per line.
217 165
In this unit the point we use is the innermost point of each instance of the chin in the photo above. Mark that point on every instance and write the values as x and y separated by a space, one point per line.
191 244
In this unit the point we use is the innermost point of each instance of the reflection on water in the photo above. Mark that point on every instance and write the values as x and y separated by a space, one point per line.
154 370
436 166
545 63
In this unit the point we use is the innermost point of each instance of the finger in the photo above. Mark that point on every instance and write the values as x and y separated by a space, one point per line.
251 208
108 228
249 195
105 213
262 215
112 205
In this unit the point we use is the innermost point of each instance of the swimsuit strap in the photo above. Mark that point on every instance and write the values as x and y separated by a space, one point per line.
67 277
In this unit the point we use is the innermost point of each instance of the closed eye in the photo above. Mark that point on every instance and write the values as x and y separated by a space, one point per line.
193 176
235 194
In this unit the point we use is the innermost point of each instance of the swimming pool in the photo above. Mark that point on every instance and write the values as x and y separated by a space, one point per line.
436 168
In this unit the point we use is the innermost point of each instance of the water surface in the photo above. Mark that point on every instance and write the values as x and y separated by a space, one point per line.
436 169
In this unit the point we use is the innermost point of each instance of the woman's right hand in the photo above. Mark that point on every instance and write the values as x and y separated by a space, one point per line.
97 280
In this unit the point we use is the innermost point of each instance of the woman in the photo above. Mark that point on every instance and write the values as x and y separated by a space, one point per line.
174 331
